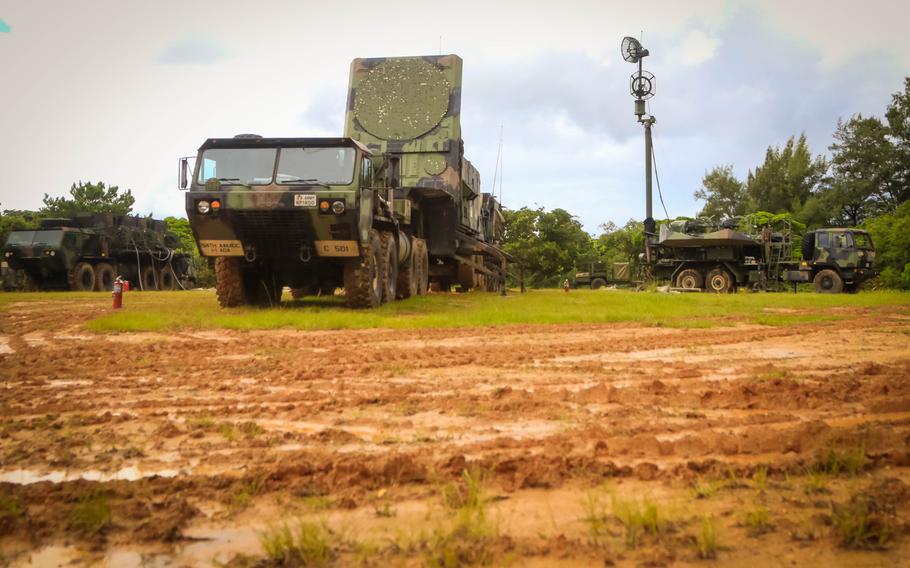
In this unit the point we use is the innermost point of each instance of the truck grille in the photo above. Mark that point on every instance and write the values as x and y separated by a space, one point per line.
273 233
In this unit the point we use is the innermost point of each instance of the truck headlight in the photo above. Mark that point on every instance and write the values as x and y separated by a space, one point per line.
203 207
338 207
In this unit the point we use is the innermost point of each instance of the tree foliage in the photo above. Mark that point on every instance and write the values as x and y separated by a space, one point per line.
88 197
549 244
787 178
891 237
14 220
723 194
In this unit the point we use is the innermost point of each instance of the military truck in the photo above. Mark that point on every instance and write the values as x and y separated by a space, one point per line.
599 274
700 255
384 212
88 252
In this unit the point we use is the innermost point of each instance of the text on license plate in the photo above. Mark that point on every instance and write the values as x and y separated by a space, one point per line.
305 200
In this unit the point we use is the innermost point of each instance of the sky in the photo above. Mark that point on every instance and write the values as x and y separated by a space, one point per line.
118 91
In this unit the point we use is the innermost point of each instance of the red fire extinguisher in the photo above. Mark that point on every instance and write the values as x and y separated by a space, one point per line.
118 293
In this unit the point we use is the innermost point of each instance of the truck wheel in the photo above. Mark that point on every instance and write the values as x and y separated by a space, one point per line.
167 280
229 281
82 277
389 267
598 283
719 281
465 276
407 276
362 277
690 279
422 266
828 281
148 278
104 277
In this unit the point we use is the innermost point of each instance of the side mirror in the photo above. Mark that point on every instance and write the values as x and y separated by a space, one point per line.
184 178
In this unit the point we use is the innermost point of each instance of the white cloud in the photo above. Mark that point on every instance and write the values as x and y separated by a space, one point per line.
697 47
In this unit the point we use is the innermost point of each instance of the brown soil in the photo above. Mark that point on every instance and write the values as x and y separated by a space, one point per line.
199 441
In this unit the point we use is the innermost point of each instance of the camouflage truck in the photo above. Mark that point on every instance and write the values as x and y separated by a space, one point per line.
600 274
88 252
698 255
383 212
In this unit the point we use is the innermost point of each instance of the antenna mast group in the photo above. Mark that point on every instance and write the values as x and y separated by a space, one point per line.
642 87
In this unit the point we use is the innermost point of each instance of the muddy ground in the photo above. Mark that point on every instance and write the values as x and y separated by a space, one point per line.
758 445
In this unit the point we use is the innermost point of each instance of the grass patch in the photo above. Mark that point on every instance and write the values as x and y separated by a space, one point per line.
704 489
249 488
858 528
10 510
637 518
760 478
198 309
308 544
91 514
707 538
850 460
757 521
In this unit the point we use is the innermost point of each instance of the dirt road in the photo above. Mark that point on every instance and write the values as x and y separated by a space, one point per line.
184 448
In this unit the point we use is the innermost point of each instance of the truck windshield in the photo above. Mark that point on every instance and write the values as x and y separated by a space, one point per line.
329 166
20 238
49 238
247 166
863 241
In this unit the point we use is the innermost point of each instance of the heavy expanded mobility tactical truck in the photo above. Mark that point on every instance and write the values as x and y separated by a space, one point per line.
388 210
88 252
698 255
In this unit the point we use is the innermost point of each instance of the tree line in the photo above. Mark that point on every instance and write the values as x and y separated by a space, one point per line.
864 183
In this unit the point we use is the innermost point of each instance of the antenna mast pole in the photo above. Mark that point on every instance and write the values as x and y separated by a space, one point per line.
642 88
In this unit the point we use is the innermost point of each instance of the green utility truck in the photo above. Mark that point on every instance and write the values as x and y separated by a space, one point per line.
700 255
384 212
88 252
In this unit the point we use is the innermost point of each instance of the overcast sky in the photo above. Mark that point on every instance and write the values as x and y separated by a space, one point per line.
117 91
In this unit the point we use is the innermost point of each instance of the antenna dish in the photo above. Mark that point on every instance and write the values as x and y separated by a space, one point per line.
643 85
631 49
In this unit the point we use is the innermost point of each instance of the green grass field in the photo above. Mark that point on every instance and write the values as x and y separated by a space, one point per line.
159 311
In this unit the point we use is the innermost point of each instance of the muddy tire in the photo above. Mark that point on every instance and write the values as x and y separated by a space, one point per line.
389 267
148 278
82 278
719 281
104 277
421 266
828 281
229 285
690 279
362 276
407 277
167 280
598 283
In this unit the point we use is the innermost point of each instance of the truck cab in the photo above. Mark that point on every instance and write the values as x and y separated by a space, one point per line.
835 260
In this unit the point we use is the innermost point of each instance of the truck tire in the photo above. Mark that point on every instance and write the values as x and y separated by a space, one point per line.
389 267
407 277
148 278
828 281
719 281
422 266
104 277
167 280
82 278
465 276
229 281
690 279
362 276
598 283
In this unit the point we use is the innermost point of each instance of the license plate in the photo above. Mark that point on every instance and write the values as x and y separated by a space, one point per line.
221 248
337 248
304 200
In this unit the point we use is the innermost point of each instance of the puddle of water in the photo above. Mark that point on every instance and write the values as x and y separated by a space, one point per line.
132 473
68 383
